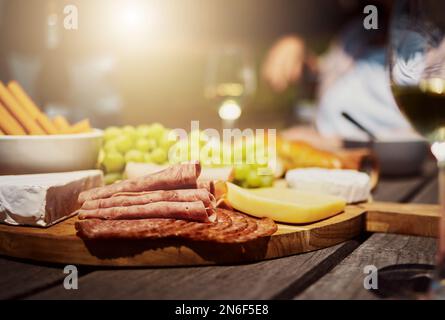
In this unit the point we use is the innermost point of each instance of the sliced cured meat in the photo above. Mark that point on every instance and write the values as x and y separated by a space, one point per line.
265 227
238 224
127 229
181 176
194 230
232 227
232 236
191 211
126 199
208 185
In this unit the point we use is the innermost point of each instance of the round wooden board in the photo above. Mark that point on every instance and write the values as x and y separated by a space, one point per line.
59 244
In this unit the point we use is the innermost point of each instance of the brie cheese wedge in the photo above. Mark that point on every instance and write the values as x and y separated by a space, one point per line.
351 185
44 199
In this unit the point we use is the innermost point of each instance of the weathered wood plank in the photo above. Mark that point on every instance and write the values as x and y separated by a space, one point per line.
18 278
345 281
403 189
429 194
263 280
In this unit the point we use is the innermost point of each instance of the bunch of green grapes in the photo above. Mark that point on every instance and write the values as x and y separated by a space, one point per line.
145 143
253 176
248 157
253 171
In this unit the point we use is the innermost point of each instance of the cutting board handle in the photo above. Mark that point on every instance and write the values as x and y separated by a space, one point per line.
410 219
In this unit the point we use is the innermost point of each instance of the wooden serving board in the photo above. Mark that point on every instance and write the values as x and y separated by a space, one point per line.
59 243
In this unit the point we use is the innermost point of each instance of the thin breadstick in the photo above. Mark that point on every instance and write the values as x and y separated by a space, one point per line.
61 124
8 124
18 112
81 126
32 109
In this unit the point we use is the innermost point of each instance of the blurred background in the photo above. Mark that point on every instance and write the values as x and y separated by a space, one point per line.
133 62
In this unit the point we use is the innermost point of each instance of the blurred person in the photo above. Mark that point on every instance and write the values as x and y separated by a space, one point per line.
352 77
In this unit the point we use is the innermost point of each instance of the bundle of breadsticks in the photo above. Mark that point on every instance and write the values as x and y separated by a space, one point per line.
19 115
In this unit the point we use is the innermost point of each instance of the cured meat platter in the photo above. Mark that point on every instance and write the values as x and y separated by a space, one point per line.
60 244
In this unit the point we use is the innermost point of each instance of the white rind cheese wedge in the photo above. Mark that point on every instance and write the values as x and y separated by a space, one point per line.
351 185
44 199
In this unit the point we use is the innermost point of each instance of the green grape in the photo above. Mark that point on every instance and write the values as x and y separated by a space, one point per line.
134 156
147 158
179 152
159 156
267 181
253 180
165 143
244 184
100 157
130 130
143 131
111 133
113 162
111 178
226 154
250 155
261 155
145 145
110 146
241 172
156 131
239 153
123 144
205 159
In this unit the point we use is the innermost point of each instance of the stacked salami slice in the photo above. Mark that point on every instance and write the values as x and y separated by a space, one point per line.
169 203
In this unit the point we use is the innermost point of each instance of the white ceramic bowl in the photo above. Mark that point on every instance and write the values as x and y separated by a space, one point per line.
51 153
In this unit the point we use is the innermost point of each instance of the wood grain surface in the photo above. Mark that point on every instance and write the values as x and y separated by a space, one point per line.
262 280
409 219
279 278
345 281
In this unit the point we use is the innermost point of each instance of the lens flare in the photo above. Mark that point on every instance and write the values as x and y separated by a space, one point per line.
229 110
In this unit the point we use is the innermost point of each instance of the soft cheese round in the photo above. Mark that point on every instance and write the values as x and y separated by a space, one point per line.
351 185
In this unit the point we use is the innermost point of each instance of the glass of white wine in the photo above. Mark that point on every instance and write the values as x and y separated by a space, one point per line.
417 71
230 78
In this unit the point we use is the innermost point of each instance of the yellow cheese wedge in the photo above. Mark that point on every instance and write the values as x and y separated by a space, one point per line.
284 205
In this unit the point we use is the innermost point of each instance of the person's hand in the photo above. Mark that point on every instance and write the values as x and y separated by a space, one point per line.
284 63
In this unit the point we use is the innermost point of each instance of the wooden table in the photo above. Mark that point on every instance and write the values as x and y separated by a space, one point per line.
332 273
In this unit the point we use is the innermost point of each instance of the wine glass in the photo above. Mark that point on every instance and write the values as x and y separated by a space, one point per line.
417 72
230 79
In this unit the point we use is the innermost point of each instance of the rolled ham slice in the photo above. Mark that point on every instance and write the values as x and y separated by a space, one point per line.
126 199
191 211
182 176
207 185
